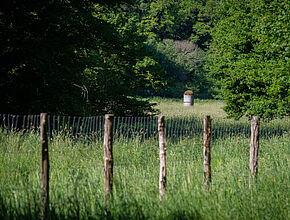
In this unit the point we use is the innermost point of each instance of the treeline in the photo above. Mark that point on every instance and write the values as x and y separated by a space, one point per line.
94 57
250 57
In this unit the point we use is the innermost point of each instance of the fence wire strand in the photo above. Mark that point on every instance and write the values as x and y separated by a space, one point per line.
86 132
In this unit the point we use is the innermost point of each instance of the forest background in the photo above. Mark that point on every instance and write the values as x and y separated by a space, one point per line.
78 57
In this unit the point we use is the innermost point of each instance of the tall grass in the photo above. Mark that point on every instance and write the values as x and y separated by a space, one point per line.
76 179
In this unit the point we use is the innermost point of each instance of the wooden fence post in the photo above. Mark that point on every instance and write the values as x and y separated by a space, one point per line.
206 151
44 206
108 156
254 147
162 156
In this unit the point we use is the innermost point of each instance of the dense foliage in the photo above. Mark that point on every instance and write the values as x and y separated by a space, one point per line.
250 57
95 57
72 57
183 63
178 33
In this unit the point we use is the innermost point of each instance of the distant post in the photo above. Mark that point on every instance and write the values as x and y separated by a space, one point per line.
108 155
188 98
206 151
254 147
44 206
162 156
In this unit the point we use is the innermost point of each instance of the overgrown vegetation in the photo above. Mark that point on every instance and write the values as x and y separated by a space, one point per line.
76 186
76 177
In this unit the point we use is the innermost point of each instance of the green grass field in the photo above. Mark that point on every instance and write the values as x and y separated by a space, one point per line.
76 178
174 108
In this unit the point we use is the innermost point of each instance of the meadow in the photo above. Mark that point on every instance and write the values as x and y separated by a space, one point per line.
76 176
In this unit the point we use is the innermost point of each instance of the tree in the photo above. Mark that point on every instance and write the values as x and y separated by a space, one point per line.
72 57
177 20
250 57
183 63
176 31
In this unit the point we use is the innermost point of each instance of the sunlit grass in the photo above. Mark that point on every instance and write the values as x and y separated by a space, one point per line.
76 179
174 108
76 172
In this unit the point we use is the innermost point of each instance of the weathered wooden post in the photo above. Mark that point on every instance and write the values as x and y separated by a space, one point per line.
254 147
162 156
206 151
108 156
44 206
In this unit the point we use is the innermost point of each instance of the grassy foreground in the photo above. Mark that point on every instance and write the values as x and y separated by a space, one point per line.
76 179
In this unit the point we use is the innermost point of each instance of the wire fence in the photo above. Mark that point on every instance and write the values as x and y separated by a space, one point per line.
79 164
136 129
142 127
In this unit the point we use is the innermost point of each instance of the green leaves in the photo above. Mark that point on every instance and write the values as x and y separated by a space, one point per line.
249 55
73 57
